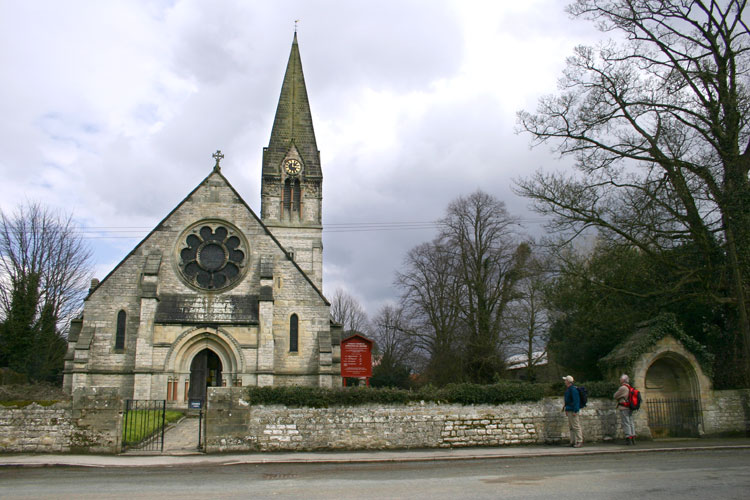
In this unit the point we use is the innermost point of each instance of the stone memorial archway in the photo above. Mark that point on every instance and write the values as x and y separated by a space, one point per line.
670 376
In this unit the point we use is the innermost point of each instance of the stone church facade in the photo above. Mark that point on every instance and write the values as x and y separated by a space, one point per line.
215 295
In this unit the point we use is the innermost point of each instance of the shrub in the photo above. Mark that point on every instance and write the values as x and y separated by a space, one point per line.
594 389
601 389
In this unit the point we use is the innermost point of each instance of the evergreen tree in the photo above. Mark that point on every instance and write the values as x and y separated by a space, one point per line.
19 328
44 270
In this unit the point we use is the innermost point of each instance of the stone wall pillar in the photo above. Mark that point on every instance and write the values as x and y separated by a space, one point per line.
97 420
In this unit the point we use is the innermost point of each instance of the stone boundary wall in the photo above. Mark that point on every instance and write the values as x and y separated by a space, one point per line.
35 428
90 422
727 413
233 424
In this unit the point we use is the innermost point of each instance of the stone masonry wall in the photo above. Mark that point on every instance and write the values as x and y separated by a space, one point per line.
35 428
727 413
233 424
91 422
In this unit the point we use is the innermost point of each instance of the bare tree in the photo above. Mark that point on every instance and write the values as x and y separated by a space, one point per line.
456 290
489 261
347 310
391 332
45 266
429 290
659 128
529 316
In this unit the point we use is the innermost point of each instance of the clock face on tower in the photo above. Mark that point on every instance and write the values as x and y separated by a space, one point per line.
292 166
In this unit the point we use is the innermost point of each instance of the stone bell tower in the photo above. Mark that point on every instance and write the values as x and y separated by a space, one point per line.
292 180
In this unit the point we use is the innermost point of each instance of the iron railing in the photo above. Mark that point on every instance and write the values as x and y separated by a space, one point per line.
143 425
674 417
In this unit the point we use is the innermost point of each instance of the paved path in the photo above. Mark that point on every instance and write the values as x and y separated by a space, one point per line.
182 438
190 457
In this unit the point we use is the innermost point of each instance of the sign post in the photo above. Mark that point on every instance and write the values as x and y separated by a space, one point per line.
356 358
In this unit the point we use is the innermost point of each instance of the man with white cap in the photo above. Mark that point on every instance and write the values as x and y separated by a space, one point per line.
571 407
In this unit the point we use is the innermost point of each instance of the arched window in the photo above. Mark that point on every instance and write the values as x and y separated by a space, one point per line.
293 333
120 333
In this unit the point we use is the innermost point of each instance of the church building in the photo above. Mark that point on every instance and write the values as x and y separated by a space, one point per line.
215 295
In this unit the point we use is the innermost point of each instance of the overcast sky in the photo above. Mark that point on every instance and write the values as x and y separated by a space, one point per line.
112 110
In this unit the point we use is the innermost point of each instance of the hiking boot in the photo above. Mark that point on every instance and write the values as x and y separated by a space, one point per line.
577 445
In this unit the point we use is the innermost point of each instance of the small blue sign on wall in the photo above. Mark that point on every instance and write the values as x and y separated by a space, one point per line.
195 404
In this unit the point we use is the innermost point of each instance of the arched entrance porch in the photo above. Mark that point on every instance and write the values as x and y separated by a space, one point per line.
199 358
673 405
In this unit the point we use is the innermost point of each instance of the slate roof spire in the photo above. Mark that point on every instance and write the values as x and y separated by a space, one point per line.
292 126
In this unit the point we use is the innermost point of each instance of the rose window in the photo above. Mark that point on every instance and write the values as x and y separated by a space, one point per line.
212 258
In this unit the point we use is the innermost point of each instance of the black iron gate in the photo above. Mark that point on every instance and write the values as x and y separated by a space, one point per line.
143 425
674 417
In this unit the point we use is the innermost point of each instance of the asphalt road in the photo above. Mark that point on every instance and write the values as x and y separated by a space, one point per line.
722 474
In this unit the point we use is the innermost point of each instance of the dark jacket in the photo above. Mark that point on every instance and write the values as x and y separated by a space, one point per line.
572 399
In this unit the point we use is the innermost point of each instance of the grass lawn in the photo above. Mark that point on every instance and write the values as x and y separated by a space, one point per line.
143 423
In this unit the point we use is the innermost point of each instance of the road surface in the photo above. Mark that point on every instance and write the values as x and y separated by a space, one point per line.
723 474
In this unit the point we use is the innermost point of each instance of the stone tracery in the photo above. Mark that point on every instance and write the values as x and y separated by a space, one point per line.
212 258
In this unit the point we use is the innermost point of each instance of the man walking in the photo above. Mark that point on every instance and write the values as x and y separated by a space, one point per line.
571 408
622 397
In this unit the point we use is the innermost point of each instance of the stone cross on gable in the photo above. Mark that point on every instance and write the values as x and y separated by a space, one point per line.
218 155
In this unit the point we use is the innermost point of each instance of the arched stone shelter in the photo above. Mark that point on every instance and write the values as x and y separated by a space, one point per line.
672 378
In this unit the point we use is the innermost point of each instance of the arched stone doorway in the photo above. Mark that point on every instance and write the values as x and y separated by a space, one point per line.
185 351
205 371
673 405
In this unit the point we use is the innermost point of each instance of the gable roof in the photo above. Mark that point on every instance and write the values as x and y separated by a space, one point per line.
649 333
214 172
350 335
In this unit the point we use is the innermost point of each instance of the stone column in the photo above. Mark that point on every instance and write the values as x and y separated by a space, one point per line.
317 263
266 347
325 350
144 346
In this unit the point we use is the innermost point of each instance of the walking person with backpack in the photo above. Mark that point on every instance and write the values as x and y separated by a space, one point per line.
628 400
571 407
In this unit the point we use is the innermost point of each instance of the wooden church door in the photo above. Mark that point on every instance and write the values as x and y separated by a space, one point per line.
205 371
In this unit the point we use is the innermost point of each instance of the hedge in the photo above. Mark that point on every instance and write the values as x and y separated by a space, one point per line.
467 394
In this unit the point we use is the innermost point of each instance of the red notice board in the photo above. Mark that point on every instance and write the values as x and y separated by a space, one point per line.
356 357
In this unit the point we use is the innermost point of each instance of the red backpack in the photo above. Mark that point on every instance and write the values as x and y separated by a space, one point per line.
634 399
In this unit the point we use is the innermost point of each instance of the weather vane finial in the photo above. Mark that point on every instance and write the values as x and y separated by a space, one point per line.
296 21
218 155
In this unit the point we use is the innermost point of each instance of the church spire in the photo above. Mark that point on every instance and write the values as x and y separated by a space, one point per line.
292 126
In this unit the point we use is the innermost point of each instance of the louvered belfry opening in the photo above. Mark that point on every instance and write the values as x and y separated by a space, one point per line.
296 200
287 198
292 198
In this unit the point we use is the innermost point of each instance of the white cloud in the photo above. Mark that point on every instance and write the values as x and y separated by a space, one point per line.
113 109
